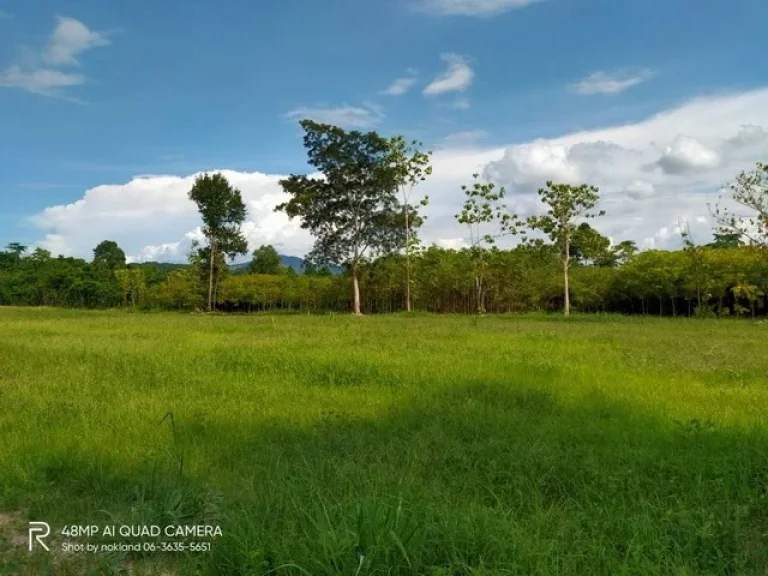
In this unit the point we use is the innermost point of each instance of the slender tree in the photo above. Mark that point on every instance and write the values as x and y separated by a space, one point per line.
483 210
566 205
352 210
223 211
697 273
412 167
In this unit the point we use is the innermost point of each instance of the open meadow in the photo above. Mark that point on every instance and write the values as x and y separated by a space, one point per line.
401 444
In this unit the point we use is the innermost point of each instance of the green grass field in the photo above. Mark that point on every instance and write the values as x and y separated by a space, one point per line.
389 444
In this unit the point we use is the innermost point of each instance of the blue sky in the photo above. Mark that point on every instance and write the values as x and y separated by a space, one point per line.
96 93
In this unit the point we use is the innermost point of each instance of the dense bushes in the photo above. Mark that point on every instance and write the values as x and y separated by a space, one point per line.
695 281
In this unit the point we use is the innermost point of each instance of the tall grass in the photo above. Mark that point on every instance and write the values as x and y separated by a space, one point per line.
391 445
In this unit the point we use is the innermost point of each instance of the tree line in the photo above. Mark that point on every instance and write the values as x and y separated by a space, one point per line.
364 217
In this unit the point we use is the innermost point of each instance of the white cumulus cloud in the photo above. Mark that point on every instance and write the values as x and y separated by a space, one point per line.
651 174
457 77
687 154
749 135
151 217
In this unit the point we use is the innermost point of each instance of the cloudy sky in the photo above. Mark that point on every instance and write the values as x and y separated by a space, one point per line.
108 110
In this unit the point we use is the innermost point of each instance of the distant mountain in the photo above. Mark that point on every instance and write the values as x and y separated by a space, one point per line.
294 262
288 261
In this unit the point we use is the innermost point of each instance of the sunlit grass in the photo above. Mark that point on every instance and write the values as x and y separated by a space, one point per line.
393 444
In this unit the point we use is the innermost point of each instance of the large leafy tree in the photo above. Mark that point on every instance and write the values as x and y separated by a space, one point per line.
567 205
352 209
412 167
222 209
265 260
109 255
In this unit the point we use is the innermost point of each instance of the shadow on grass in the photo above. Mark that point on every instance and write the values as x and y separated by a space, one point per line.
476 479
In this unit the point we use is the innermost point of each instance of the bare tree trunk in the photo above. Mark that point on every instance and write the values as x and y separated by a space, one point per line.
216 286
566 265
211 256
356 287
479 294
407 261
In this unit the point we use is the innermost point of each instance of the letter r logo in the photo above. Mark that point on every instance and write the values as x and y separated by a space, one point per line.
39 530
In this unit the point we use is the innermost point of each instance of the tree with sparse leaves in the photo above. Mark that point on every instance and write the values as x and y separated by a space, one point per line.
352 210
487 218
567 206
223 211
750 220
412 167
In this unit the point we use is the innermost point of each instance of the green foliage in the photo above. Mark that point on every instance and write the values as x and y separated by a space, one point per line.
481 213
566 205
588 246
180 291
696 281
222 210
265 260
38 279
109 255
411 167
727 240
352 211
132 285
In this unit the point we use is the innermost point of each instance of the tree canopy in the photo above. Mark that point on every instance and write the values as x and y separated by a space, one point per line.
222 210
109 255
265 260
566 205
352 210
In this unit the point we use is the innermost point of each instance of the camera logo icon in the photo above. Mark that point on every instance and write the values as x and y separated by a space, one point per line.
38 531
